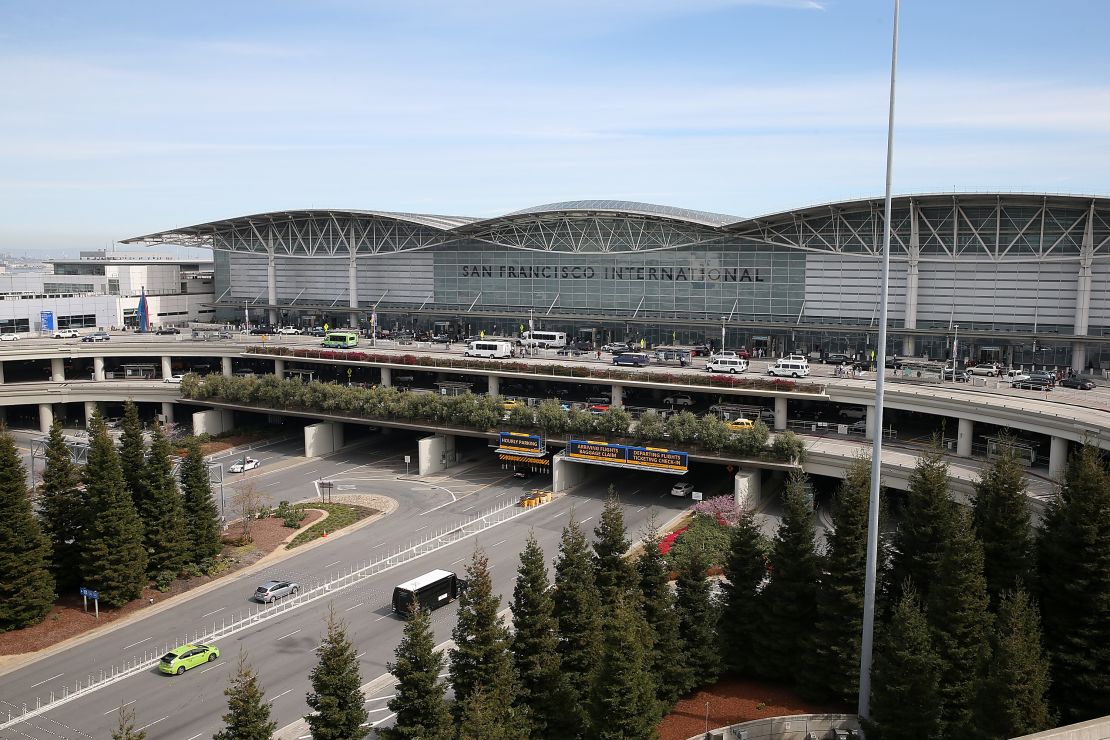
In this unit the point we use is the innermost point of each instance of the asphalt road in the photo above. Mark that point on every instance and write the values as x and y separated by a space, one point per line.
281 649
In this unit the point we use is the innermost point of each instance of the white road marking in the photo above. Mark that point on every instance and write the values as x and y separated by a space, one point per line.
468 508
381 617
205 670
640 509
356 606
140 642
40 683
194 737
383 709
360 655
152 723
202 616
337 562
121 706
280 695
586 520
502 542
383 719
289 635
380 544
417 530
458 561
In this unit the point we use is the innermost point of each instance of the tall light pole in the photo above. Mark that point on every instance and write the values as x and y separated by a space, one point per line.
867 641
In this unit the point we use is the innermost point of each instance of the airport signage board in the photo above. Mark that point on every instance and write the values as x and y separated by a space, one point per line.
626 456
521 443
47 319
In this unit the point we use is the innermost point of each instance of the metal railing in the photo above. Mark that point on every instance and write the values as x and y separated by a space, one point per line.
501 512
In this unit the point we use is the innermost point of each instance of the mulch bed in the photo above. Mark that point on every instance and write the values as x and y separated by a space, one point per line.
68 619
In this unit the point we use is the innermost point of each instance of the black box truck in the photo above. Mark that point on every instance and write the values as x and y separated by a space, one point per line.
431 591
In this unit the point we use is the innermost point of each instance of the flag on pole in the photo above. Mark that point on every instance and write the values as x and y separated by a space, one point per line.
142 314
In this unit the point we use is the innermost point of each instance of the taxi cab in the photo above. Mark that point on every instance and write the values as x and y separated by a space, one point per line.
739 425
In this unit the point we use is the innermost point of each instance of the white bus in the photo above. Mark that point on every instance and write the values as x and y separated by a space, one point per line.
544 339
485 348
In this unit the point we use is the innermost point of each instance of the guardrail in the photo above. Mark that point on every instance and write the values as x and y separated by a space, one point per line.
501 512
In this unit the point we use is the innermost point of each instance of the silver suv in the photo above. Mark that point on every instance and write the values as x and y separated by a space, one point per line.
270 591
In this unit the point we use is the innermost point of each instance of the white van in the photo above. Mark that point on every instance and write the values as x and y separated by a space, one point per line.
791 368
720 364
544 339
496 350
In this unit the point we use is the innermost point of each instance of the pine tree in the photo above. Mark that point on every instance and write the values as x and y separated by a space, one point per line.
164 532
1015 694
113 558
248 713
622 701
202 518
1002 521
697 621
544 691
336 688
419 697
832 671
790 598
1074 570
926 517
481 659
667 660
740 625
62 511
26 588
959 616
125 727
486 716
132 456
613 573
578 614
905 695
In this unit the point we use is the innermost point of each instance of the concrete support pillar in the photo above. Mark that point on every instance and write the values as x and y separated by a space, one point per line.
225 363
1083 283
387 377
748 488
869 424
212 421
566 474
1057 458
57 369
90 409
167 367
1079 356
435 453
98 368
1 373
279 368
352 289
780 414
46 417
964 435
616 397
909 346
271 285
322 439
494 385
167 412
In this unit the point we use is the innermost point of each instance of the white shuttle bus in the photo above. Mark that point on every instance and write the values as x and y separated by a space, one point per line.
483 348
544 339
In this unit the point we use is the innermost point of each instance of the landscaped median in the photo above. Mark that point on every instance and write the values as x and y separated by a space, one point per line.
683 431
339 516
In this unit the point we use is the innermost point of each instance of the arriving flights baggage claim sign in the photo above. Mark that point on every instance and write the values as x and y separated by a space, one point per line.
625 456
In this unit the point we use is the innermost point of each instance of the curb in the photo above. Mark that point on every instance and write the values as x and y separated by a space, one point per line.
22 660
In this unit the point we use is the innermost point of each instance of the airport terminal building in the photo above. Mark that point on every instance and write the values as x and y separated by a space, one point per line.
1024 277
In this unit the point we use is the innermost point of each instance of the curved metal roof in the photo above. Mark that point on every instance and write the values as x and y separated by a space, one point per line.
622 207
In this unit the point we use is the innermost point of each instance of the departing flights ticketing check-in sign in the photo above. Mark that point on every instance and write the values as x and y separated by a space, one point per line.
625 456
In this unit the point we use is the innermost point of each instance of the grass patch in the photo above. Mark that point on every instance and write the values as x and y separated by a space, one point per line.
339 516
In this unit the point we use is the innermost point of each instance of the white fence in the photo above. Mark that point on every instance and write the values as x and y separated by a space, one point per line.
501 512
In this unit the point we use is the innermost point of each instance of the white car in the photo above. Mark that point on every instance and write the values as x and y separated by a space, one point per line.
65 334
682 488
175 379
679 399
243 466
8 337
289 330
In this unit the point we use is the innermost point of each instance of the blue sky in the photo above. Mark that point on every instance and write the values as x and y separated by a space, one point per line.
122 118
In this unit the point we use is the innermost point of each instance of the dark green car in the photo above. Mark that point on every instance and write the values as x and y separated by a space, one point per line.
181 659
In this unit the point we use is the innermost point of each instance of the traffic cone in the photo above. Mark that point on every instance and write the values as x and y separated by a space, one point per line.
325 534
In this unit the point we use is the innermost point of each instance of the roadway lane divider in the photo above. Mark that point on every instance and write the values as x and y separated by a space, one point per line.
504 510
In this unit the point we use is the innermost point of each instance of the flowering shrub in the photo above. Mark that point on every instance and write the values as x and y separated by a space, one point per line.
667 542
723 509
705 533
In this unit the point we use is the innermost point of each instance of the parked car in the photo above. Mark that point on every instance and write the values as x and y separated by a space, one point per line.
1078 382
740 425
682 488
1044 375
958 376
175 379
701 350
988 369
242 466
679 399
97 336
271 591
569 352
65 334
1033 384
893 363
181 659
726 353
521 474
168 330
615 348
440 338
315 331
256 330
289 330
837 358
1016 376
8 337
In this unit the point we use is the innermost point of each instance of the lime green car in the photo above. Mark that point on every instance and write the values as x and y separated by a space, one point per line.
181 659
